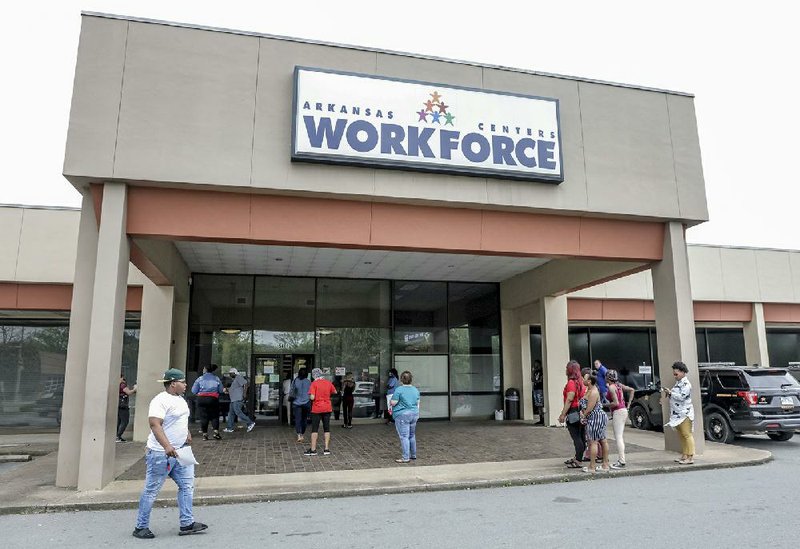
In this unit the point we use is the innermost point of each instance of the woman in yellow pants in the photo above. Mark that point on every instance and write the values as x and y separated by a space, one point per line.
681 411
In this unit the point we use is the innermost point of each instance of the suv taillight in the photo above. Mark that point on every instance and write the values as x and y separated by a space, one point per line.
750 397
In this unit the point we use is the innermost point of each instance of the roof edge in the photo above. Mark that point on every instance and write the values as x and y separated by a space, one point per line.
379 50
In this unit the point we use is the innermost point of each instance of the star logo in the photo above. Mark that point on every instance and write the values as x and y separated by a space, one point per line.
437 109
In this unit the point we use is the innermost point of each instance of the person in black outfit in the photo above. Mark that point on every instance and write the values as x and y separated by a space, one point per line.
123 408
348 400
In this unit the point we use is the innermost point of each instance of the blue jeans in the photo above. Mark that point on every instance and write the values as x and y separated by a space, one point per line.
236 410
406 425
159 467
301 417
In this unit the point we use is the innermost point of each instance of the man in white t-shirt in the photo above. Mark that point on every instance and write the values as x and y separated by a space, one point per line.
169 431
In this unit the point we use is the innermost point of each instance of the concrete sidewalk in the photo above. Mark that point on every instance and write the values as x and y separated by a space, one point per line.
29 487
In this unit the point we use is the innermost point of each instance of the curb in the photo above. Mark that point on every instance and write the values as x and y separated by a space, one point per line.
226 499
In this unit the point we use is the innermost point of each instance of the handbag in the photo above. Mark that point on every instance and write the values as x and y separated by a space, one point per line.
291 392
573 417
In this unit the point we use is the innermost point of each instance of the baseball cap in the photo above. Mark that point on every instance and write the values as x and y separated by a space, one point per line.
173 374
233 371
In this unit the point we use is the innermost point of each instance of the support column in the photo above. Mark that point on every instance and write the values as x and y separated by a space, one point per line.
180 335
69 438
155 342
512 370
755 338
675 326
105 343
555 354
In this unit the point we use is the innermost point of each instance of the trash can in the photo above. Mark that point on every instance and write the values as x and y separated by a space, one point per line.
512 404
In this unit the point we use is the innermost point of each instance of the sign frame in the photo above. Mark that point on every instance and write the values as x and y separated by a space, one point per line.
410 165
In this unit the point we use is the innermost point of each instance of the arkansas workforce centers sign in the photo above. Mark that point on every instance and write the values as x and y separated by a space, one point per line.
380 122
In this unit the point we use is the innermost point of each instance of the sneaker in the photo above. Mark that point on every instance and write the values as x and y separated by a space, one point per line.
326 452
310 452
143 533
618 465
120 439
205 436
250 427
193 528
226 430
217 435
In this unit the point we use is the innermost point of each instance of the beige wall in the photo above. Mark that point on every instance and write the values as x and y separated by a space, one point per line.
720 273
39 245
206 107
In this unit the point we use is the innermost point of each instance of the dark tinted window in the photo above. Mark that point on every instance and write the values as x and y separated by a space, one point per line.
783 347
770 379
353 303
726 345
621 349
730 380
702 349
579 346
420 316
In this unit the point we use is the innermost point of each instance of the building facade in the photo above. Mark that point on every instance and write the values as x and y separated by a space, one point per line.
288 201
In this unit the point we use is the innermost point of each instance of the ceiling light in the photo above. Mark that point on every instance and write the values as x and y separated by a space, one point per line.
278 259
325 331
368 263
230 331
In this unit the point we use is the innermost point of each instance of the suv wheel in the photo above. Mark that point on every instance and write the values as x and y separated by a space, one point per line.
639 418
718 429
781 436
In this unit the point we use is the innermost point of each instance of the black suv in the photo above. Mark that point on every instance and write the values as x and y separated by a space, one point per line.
736 400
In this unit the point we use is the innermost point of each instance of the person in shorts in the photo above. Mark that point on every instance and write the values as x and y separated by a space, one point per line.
320 394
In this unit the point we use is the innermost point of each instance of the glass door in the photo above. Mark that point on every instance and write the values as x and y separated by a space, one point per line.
266 376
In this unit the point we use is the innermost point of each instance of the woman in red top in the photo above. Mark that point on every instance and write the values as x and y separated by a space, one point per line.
570 412
320 395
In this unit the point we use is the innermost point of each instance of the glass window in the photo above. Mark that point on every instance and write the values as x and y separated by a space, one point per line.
783 347
353 303
434 407
420 317
621 349
284 304
579 346
266 341
477 373
730 381
702 347
477 406
726 345
768 378
474 321
366 352
430 372
33 357
222 300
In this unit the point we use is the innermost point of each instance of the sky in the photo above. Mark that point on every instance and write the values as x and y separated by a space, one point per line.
735 57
